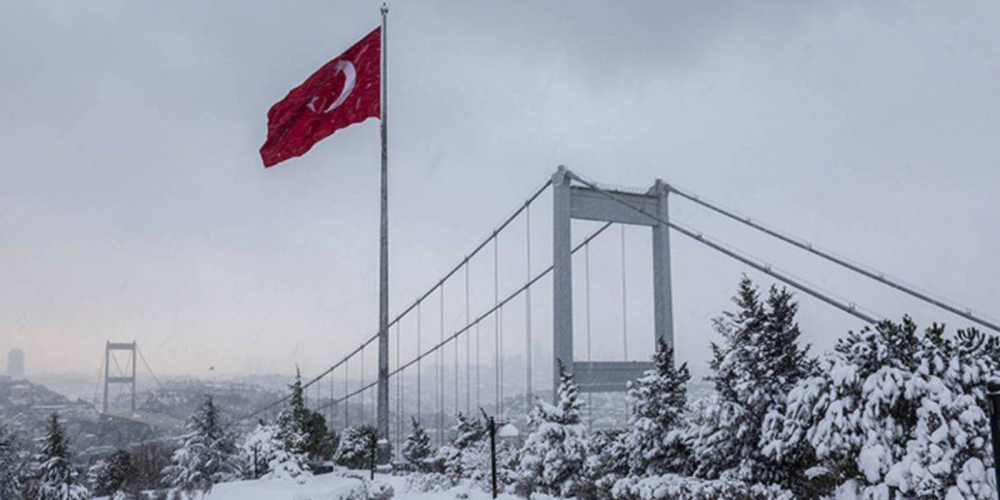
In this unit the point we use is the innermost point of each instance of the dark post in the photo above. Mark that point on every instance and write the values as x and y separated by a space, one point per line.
491 425
993 393
374 454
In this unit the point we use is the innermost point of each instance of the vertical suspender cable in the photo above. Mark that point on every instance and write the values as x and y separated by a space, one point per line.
468 347
500 371
479 369
347 392
456 377
364 411
624 314
440 377
624 300
496 323
97 388
586 269
527 303
399 395
419 417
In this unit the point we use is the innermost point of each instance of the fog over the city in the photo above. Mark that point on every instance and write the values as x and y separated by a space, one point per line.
133 202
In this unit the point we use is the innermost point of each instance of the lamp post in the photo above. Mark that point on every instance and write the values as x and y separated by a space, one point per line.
496 429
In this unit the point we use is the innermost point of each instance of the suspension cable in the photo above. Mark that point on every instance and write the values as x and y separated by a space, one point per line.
866 271
440 377
482 317
347 392
399 396
586 270
500 370
851 309
419 384
100 372
150 370
479 368
624 303
496 324
624 314
457 407
332 395
119 366
364 412
527 304
510 218
468 348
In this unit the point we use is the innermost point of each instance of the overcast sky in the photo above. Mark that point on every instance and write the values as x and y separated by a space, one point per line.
133 203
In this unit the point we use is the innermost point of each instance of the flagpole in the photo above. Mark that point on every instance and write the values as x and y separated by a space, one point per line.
383 313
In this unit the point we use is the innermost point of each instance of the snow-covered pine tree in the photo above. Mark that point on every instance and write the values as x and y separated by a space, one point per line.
109 475
208 454
656 434
466 456
552 457
270 452
305 430
894 411
468 431
417 450
853 412
948 454
58 479
606 463
758 362
356 447
11 466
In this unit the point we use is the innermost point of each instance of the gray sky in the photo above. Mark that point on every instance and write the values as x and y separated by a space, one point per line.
133 203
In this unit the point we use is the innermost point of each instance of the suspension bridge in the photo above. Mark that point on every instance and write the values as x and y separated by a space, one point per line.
123 378
457 363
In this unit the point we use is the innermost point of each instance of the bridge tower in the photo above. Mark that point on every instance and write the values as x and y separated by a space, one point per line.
127 379
579 202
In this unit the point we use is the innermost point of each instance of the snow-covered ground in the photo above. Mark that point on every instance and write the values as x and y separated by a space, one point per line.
337 486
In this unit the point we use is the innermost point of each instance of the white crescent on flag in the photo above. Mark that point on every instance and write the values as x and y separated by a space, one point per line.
347 68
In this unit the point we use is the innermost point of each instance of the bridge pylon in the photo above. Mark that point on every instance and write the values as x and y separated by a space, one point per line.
581 202
127 379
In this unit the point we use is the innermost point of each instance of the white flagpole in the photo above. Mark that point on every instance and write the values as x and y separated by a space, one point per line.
383 316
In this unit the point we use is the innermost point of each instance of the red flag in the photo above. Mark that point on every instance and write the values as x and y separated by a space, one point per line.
343 92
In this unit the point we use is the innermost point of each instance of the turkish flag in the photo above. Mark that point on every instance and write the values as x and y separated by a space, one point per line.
343 92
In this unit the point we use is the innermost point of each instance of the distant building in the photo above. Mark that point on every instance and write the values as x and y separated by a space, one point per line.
15 364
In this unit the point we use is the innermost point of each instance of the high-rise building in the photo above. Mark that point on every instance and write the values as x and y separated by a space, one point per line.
15 364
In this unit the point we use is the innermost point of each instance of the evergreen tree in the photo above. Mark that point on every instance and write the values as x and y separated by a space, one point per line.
208 454
607 462
57 479
758 362
111 475
417 450
552 458
468 431
267 452
655 437
896 412
467 454
305 430
357 447
11 466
